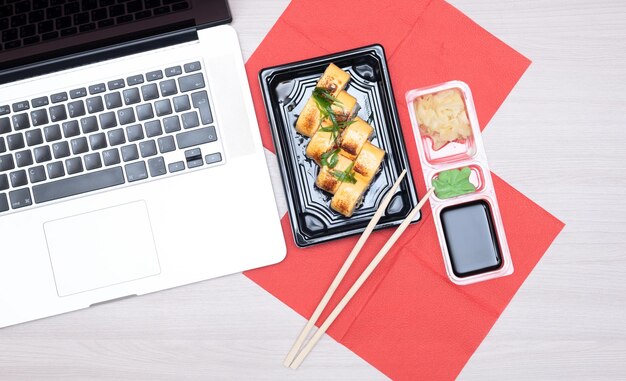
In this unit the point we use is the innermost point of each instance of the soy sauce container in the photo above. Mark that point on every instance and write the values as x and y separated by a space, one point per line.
469 226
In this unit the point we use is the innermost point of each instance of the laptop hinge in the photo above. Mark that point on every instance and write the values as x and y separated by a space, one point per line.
100 54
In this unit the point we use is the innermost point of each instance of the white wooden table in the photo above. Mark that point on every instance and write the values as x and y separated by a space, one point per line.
560 138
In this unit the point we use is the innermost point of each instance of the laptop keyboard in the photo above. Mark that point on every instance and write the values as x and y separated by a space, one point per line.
32 21
106 134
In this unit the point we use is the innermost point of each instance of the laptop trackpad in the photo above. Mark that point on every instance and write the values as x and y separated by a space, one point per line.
101 248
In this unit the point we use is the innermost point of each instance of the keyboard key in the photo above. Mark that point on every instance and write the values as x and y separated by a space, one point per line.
148 148
192 66
58 97
39 102
78 93
171 124
200 100
4 203
196 137
3 147
5 125
79 145
20 198
97 141
144 112
70 129
166 144
42 154
126 116
181 103
168 87
153 128
190 119
163 107
61 150
113 100
149 92
135 80
176 166
156 166
172 71
191 82
194 158
92 161
136 171
4 109
37 174
18 178
95 104
73 165
33 137
97 88
76 109
57 113
130 152
134 132
89 124
15 141
52 132
20 106
116 137
111 157
55 169
4 182
154 75
107 120
79 184
6 162
131 96
20 121
116 84
23 158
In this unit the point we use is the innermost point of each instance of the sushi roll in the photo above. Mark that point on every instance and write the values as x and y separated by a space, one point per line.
329 182
354 137
368 162
348 196
320 143
345 106
334 79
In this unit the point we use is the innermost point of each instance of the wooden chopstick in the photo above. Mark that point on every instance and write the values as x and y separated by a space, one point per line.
359 282
342 272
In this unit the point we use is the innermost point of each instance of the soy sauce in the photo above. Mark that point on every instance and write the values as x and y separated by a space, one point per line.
470 238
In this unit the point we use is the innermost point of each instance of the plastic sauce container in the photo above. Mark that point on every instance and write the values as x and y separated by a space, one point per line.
469 226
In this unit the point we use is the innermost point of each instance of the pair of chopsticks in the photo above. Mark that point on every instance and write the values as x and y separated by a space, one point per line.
294 359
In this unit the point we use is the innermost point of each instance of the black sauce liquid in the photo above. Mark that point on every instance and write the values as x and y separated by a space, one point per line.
471 239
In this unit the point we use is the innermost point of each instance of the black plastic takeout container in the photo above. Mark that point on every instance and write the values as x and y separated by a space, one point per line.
286 88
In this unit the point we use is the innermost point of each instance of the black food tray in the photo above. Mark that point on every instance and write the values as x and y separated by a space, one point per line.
286 89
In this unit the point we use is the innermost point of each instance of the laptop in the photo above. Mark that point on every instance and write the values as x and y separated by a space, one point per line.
130 156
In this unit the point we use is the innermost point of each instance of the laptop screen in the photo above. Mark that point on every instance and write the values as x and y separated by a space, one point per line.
40 30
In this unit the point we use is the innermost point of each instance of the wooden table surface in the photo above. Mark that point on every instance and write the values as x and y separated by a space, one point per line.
560 138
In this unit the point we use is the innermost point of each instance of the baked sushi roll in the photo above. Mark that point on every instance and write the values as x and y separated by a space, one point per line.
368 162
309 120
349 195
334 79
354 137
320 143
327 180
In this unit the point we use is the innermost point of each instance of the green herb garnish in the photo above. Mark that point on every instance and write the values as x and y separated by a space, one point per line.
346 176
336 127
329 159
453 182
324 101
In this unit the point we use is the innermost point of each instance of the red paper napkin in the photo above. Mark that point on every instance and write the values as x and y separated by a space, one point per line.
408 320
